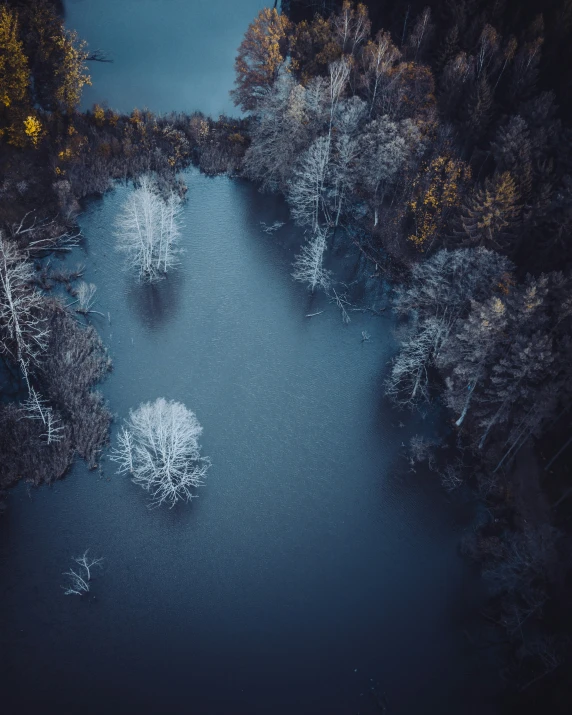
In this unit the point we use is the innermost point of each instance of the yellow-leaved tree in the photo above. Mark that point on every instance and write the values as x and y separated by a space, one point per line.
71 74
14 72
437 190
14 79
260 56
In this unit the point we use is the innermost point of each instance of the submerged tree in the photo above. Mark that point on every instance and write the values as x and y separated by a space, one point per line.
148 230
159 447
79 579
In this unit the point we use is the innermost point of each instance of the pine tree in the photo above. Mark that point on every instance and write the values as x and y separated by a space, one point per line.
512 152
490 215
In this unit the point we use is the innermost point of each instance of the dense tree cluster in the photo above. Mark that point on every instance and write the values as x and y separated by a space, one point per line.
436 142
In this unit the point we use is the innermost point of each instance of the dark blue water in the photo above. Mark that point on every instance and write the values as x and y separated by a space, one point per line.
312 552
167 54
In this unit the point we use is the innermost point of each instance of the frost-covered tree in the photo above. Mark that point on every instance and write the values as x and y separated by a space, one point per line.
159 447
309 264
148 229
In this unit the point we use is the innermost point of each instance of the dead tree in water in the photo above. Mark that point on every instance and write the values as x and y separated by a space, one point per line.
148 230
80 578
159 447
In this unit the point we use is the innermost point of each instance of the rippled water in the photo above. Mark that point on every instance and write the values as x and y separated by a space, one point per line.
313 561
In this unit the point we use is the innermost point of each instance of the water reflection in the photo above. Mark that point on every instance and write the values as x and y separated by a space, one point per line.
156 304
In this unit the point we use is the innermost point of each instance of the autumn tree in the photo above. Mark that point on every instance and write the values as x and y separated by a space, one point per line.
313 47
437 190
260 56
14 71
14 80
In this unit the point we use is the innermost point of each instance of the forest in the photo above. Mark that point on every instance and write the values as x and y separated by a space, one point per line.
435 138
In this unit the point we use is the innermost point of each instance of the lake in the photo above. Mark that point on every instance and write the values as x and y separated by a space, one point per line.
315 563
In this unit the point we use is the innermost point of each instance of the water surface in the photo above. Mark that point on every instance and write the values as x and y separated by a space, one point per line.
168 55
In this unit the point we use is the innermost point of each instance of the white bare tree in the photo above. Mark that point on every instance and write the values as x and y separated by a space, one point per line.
306 189
23 329
309 264
148 230
79 579
159 447
408 383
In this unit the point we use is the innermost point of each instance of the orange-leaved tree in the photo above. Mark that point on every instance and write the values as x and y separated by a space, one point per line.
260 56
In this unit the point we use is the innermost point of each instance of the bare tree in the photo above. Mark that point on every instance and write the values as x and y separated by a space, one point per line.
79 579
421 449
306 189
408 383
159 447
23 329
309 264
35 407
148 229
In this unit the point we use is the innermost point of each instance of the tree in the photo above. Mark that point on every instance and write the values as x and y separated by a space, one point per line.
437 297
512 152
385 147
148 229
490 214
309 264
469 353
313 46
420 35
159 447
23 328
378 59
306 188
260 56
351 26
279 133
71 71
408 382
14 79
436 192
80 578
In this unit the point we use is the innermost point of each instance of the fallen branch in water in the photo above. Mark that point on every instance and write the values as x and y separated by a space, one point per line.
311 315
